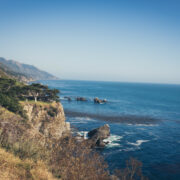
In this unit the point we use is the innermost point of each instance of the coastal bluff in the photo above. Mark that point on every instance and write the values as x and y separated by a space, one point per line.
45 122
47 118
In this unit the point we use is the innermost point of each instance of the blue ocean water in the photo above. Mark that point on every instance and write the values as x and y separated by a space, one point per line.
156 144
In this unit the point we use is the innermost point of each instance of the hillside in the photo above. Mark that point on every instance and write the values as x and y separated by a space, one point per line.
2 71
6 72
13 167
24 72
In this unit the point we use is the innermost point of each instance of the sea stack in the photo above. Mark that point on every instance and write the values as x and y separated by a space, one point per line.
96 136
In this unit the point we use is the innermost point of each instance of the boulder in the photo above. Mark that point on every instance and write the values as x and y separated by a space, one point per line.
96 136
98 101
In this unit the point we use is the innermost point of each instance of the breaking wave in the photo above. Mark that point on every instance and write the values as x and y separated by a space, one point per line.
138 142
113 140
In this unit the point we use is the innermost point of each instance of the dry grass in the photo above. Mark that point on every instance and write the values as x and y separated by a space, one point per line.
12 167
37 103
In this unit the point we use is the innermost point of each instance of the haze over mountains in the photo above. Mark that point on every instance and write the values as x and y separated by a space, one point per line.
23 72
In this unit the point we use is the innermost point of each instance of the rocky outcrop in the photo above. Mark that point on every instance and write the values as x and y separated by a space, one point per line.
98 101
45 122
96 136
47 118
14 129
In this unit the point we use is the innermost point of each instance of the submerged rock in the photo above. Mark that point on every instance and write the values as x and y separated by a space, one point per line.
68 98
81 99
96 136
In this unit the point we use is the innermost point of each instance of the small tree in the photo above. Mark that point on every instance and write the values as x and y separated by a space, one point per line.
133 171
40 92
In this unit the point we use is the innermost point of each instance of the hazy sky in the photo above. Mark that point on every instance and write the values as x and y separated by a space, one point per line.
119 40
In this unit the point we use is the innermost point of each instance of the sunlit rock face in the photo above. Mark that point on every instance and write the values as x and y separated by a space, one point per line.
48 119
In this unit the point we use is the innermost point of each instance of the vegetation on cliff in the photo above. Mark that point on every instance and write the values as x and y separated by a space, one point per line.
13 91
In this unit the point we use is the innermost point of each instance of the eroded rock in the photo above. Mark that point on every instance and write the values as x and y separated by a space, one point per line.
96 136
48 119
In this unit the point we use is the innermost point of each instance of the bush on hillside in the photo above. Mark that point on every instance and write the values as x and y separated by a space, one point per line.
74 160
132 171
11 104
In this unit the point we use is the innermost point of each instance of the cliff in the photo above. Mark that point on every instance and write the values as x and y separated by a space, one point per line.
47 118
45 122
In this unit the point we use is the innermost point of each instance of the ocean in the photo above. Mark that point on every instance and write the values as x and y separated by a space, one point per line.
144 120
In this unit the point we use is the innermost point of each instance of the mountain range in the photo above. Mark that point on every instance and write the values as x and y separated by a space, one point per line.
23 72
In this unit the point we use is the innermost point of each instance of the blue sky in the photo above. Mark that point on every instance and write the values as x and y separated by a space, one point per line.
109 40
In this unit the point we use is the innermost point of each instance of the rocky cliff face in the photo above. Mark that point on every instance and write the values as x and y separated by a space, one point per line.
46 122
48 119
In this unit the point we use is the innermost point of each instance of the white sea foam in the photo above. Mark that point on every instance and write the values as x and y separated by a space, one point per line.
113 140
83 134
138 142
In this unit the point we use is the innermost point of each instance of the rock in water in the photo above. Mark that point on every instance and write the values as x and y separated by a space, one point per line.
68 98
81 99
99 101
96 136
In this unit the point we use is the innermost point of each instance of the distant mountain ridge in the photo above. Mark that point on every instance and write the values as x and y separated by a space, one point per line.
24 72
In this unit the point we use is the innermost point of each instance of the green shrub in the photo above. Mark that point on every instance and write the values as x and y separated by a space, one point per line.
52 111
11 104
13 91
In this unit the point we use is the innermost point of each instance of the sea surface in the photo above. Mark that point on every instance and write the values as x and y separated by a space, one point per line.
144 121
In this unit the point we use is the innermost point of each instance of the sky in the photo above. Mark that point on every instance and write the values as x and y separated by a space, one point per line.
108 40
